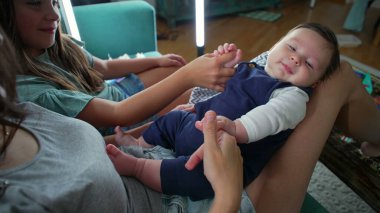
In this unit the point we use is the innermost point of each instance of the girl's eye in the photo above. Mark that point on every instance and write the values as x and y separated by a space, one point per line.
55 3
34 2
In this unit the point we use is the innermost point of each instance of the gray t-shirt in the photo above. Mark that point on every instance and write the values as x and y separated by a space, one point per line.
70 173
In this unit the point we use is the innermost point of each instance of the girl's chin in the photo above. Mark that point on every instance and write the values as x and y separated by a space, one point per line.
35 52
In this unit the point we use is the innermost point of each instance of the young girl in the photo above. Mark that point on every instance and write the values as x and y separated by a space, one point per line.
54 163
62 77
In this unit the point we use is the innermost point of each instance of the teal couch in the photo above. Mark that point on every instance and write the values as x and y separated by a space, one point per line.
130 27
117 28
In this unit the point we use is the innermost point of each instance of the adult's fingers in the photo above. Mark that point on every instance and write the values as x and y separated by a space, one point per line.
228 146
226 73
210 140
210 131
195 158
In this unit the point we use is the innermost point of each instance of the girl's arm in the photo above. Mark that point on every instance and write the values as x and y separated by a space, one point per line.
204 71
117 68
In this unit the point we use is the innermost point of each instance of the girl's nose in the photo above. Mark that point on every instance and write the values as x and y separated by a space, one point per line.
53 13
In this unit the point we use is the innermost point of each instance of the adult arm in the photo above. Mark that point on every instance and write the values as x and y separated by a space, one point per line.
204 71
338 99
223 165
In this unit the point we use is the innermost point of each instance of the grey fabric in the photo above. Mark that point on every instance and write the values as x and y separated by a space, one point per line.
140 198
70 173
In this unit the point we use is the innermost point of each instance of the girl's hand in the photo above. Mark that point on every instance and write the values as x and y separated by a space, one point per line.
209 71
169 60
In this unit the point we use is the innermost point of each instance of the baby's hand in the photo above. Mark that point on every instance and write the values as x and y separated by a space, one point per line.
223 123
227 48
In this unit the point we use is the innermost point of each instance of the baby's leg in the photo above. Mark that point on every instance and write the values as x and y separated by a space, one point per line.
123 139
145 170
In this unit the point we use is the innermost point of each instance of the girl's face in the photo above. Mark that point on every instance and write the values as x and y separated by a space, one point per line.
301 58
37 23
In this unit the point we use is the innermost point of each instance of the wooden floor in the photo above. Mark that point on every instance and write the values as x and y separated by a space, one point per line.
254 36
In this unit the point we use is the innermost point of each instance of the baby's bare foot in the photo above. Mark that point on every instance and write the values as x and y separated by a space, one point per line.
124 139
124 164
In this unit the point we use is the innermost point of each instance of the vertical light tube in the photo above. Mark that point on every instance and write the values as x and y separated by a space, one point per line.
69 18
200 26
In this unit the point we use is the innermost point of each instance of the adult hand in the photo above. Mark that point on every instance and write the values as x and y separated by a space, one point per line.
223 165
222 122
169 60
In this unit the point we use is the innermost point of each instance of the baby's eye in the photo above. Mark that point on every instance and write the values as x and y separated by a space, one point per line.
291 47
308 64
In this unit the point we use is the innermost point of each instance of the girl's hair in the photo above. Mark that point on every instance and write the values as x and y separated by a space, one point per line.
8 109
330 37
64 53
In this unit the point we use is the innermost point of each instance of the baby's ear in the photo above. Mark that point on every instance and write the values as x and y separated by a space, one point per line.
315 84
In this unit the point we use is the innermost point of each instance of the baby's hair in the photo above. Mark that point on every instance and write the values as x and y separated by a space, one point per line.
330 37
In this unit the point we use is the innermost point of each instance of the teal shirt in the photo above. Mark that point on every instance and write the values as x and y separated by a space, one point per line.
53 97
70 103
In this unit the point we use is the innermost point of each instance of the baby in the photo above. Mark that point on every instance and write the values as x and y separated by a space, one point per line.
265 104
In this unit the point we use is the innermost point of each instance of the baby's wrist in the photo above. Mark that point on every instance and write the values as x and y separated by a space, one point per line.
240 132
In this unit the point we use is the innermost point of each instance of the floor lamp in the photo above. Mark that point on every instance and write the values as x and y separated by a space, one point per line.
68 19
200 26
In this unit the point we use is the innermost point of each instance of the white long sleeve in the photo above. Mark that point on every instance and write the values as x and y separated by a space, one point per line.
285 109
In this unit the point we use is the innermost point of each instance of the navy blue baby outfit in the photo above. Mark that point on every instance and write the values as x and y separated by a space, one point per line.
250 87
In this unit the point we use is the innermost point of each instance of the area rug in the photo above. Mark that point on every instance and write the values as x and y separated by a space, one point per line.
333 194
324 185
262 15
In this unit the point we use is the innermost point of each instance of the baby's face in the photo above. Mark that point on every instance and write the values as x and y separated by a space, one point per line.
301 58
